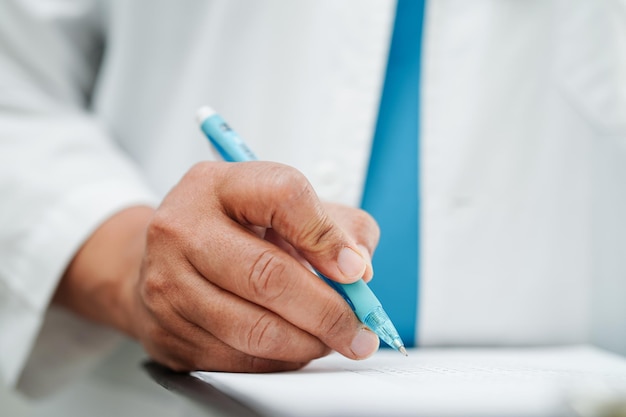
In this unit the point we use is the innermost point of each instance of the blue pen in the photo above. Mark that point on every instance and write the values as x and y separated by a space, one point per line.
358 295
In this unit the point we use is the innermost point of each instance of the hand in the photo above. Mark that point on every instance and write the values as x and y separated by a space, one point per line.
221 285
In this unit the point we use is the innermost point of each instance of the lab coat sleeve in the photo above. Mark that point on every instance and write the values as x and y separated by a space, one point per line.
61 175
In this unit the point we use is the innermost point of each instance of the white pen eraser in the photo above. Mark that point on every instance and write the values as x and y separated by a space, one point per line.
204 112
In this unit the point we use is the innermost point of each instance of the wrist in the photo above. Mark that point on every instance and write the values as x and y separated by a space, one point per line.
98 283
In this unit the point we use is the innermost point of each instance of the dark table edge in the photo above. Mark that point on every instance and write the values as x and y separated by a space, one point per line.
201 393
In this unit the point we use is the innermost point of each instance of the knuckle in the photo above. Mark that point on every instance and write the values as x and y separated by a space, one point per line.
289 187
157 227
157 292
154 287
162 228
294 190
289 183
364 220
265 337
266 278
318 231
336 320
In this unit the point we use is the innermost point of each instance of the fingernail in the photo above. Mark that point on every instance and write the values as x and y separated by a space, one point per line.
369 269
364 344
351 264
366 255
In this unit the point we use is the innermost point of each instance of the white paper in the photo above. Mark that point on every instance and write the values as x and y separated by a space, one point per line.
443 382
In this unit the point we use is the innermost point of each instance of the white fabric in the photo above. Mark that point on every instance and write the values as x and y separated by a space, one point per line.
60 172
523 146
523 155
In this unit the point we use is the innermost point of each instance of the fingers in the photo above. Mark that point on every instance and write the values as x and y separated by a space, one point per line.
266 275
361 227
205 352
191 324
280 197
245 326
211 278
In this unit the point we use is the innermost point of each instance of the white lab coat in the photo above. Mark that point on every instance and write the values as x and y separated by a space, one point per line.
522 146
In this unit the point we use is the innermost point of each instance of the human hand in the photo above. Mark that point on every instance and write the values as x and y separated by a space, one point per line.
221 286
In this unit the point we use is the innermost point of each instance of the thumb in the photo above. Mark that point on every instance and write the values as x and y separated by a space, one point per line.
278 196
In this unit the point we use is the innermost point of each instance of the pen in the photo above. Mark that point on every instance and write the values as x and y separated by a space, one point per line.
358 295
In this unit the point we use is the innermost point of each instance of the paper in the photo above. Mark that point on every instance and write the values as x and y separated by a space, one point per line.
442 382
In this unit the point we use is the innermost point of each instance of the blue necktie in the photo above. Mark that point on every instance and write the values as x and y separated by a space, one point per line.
392 188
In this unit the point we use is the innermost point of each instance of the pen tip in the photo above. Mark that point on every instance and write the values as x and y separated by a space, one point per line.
403 351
